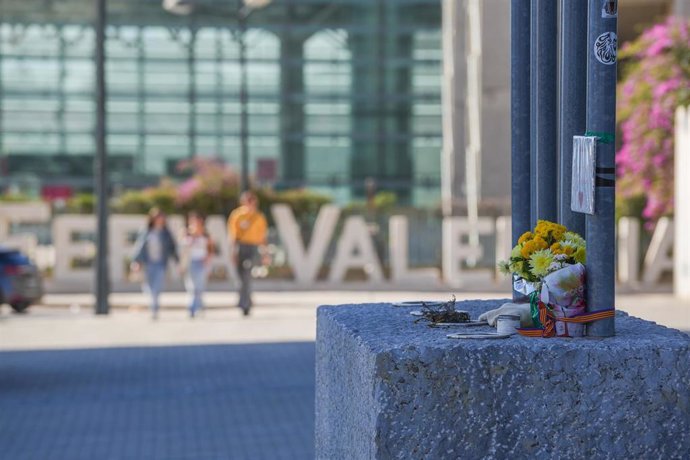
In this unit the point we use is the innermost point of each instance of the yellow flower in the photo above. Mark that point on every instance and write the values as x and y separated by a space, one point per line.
557 231
540 242
555 247
569 247
541 228
519 269
574 238
528 248
524 237
540 262
547 230
504 267
581 255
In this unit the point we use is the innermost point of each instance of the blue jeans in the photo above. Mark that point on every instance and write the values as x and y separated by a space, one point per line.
155 276
195 282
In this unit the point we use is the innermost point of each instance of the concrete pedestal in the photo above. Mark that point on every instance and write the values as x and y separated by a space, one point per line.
389 388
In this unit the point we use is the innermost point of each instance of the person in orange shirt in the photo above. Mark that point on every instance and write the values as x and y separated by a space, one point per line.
247 229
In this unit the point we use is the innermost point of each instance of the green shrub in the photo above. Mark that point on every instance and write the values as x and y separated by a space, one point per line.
162 197
382 201
385 200
81 203
305 204
16 198
132 202
213 189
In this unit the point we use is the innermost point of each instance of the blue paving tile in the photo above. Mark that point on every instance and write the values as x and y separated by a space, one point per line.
192 402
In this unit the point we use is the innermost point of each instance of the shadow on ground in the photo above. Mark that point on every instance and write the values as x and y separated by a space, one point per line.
191 402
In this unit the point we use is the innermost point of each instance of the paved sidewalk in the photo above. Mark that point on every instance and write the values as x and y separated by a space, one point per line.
67 321
197 402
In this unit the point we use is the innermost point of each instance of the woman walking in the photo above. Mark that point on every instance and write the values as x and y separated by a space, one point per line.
155 246
197 250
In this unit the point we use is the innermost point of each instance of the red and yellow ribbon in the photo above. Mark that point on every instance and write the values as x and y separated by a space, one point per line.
548 320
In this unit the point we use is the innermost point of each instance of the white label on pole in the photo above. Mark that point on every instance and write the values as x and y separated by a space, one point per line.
584 170
606 48
609 9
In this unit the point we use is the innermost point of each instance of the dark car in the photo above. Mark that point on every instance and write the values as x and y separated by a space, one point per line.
20 280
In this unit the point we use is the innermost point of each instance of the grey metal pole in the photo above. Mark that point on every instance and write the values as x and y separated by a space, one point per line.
244 117
520 116
191 91
101 166
601 122
572 101
543 108
3 158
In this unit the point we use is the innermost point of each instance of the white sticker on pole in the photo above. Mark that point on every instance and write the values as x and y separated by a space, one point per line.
606 48
584 169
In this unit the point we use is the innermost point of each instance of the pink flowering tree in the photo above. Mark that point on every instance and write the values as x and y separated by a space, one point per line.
656 80
213 187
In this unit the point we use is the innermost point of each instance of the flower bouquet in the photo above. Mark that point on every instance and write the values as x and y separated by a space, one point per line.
547 265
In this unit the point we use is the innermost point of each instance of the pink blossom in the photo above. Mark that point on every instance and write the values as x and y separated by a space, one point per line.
657 81
188 188
659 46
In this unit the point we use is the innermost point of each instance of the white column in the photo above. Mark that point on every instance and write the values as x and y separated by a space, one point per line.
681 8
473 114
681 269
453 102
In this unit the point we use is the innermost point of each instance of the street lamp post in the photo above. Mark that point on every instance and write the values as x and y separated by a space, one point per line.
244 96
100 166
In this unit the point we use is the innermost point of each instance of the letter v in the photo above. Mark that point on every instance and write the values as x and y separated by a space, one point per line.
305 261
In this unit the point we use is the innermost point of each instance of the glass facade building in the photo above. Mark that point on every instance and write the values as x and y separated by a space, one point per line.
340 93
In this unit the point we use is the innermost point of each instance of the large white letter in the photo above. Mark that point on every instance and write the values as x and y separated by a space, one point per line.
456 251
399 255
658 258
123 230
305 262
218 230
177 229
629 251
504 242
23 213
68 248
355 249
